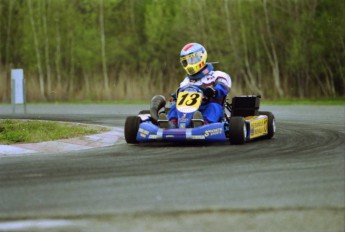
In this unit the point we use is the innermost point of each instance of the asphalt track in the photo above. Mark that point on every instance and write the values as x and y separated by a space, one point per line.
293 182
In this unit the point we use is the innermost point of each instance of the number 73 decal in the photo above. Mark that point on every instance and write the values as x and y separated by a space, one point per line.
188 102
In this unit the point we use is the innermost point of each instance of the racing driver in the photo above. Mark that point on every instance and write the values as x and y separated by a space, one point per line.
215 84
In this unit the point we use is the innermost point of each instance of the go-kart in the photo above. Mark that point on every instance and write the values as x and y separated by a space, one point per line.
242 120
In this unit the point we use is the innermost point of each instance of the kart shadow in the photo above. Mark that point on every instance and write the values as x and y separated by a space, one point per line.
183 144
160 144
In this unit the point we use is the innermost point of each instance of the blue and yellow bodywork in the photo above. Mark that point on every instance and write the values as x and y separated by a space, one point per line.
257 126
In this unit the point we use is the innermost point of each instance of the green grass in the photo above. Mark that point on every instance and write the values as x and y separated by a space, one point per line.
86 102
26 131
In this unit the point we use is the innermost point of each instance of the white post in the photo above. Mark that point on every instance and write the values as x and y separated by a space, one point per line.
18 89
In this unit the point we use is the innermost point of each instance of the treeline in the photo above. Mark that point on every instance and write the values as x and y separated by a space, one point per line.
129 49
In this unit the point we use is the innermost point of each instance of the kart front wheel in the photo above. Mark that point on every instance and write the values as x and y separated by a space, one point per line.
144 112
131 129
237 130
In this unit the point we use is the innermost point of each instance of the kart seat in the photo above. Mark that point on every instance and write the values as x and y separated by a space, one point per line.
244 106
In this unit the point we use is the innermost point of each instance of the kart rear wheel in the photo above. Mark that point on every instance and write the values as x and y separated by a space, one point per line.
131 129
237 130
271 123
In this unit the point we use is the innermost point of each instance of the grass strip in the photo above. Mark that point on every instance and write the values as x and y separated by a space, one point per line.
32 131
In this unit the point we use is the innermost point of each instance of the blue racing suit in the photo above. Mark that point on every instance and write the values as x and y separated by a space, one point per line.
220 81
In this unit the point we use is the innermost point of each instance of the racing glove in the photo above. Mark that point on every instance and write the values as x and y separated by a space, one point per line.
210 92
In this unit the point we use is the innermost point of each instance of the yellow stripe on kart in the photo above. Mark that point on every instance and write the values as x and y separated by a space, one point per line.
258 127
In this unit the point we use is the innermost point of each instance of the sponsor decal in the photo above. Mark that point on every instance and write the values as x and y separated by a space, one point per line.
183 119
198 137
143 135
143 132
258 128
212 132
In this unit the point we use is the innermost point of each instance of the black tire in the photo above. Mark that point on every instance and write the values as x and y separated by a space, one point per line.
271 123
237 130
144 112
131 129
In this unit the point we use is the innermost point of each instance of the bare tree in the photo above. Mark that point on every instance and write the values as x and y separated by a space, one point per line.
228 24
58 53
249 77
8 39
46 45
4 76
38 56
104 61
8 36
272 55
202 26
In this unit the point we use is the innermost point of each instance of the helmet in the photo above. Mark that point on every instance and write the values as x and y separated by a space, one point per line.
193 58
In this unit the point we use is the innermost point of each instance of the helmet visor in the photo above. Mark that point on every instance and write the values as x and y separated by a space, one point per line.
191 59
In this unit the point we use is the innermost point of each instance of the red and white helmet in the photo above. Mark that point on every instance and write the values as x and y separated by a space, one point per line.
193 58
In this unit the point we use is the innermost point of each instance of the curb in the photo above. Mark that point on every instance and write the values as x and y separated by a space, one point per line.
109 138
